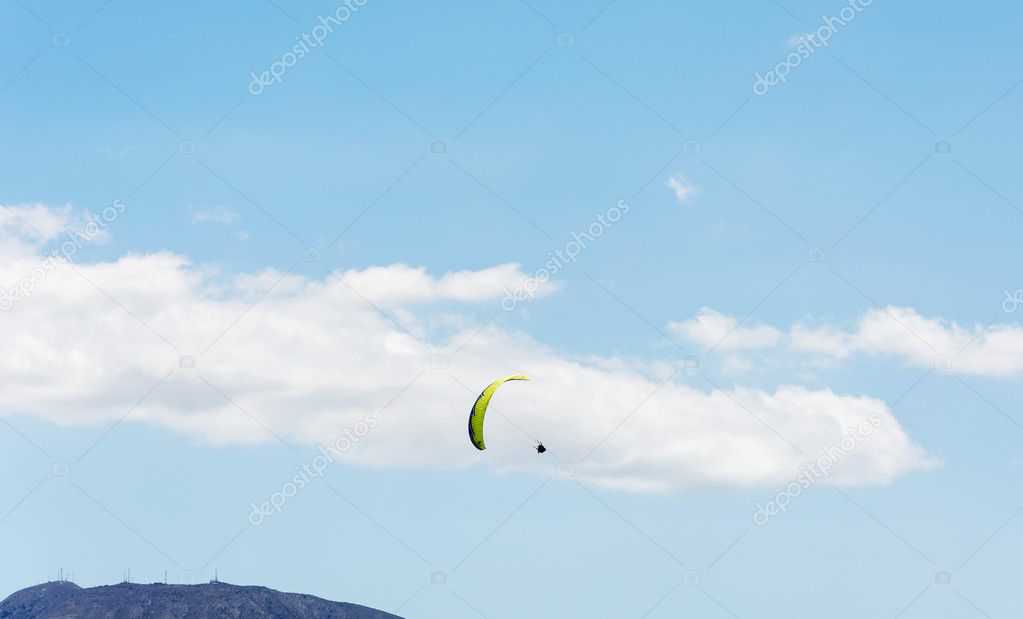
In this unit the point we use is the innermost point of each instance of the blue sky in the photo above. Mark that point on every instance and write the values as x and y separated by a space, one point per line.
340 247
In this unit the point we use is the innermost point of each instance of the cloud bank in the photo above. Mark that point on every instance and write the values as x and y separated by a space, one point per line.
681 187
994 350
273 356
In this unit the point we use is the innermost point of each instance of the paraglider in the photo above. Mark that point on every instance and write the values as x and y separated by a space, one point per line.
479 411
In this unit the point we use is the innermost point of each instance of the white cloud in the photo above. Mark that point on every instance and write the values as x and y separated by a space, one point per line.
798 39
902 332
312 357
827 340
36 223
713 329
27 228
400 284
117 152
899 332
217 215
683 189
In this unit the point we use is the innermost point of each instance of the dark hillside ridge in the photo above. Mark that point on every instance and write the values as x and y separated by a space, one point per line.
216 599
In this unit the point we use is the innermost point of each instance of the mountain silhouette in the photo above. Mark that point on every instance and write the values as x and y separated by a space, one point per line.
160 601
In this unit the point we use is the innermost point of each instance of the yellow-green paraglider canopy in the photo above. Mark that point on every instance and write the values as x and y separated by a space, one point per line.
479 410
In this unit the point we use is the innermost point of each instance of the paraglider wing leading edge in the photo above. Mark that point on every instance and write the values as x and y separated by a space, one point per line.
479 410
